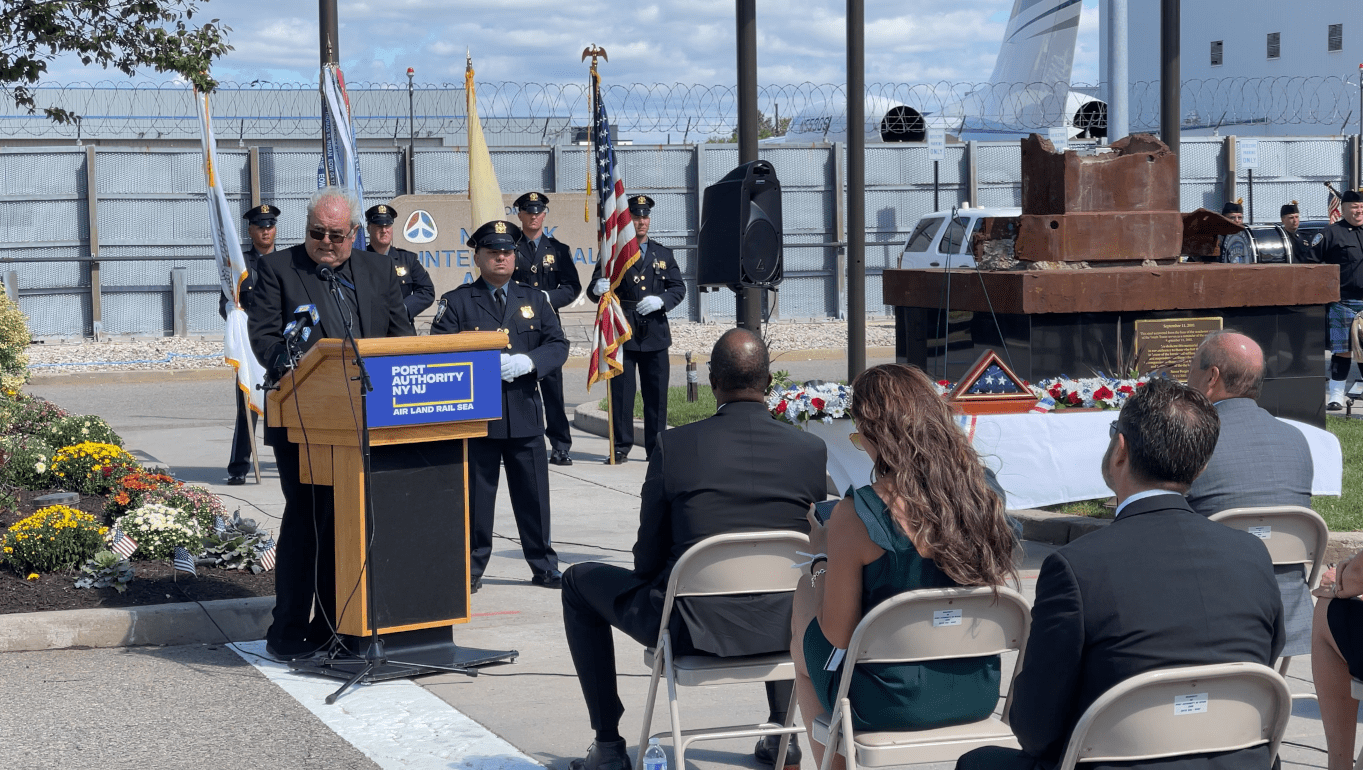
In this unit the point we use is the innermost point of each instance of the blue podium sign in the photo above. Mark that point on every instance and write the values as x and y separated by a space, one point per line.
434 387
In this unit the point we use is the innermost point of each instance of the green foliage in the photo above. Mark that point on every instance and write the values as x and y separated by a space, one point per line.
14 341
92 468
159 528
780 379
9 501
54 538
237 546
1345 513
679 411
27 415
77 428
106 569
28 464
766 128
126 35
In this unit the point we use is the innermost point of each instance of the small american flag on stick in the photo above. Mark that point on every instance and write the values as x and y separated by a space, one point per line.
267 554
183 561
121 544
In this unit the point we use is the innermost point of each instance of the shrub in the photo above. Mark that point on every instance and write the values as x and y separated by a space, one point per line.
196 501
92 468
131 491
78 428
159 528
29 463
14 341
236 548
54 538
106 569
29 416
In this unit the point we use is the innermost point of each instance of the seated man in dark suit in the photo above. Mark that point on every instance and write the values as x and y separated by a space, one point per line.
1259 460
738 471
1160 587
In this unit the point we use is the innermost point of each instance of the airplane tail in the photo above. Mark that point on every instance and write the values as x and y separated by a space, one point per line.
1031 79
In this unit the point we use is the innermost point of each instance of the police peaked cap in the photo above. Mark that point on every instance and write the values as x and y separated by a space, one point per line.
1289 208
532 202
498 234
262 216
380 215
1352 196
640 205
1232 207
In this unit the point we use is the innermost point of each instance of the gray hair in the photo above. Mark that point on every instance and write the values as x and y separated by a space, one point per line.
351 202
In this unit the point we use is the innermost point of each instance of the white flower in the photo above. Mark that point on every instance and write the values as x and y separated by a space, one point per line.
41 467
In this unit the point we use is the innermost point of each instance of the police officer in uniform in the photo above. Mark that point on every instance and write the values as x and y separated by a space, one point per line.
543 262
650 288
1342 244
418 290
495 302
1290 217
260 225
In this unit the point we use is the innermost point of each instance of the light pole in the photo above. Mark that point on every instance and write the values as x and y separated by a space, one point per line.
411 133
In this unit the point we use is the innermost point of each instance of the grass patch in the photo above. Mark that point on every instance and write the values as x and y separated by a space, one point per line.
679 411
1092 508
1345 514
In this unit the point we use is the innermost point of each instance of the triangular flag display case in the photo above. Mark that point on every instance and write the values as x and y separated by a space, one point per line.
990 386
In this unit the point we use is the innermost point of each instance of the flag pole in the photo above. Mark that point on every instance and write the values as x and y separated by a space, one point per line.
251 434
596 51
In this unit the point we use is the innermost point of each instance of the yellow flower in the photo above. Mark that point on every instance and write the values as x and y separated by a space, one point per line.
32 576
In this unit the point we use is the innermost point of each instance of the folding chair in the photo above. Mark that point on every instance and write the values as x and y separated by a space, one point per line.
931 624
731 564
1172 712
1293 535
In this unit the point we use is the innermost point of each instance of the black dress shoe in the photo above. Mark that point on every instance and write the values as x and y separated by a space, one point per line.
604 756
768 745
620 458
560 457
236 481
551 579
476 584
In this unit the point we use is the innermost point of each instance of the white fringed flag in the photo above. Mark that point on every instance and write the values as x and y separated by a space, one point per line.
485 195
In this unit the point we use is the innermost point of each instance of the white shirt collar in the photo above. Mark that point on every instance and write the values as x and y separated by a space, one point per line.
1140 496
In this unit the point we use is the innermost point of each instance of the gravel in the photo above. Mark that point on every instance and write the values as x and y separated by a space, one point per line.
161 353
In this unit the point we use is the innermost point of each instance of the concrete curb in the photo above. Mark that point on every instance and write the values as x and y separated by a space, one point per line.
242 620
223 373
588 419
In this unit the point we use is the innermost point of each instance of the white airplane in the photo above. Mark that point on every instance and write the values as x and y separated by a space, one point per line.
1028 92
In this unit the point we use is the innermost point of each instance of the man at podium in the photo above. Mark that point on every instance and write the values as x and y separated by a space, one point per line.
367 300
537 346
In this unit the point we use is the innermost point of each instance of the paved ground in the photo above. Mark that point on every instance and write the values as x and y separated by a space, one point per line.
207 706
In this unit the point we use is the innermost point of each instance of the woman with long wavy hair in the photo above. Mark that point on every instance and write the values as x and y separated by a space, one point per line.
928 520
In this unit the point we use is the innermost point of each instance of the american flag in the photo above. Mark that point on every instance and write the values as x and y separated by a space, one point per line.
1333 205
994 380
267 552
618 251
121 544
183 561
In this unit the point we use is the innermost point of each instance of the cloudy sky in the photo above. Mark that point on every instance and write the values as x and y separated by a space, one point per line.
909 41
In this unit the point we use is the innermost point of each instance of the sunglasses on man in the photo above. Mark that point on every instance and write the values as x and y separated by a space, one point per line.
318 234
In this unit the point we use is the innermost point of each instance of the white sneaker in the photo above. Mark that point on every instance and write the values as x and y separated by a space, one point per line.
1334 395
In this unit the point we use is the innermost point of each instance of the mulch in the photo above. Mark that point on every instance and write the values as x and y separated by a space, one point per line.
156 582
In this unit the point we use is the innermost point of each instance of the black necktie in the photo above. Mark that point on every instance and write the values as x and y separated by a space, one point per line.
500 294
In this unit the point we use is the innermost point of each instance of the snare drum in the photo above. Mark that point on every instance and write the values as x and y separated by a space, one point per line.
1265 244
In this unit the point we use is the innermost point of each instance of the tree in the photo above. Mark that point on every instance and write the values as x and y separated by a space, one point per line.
126 35
765 130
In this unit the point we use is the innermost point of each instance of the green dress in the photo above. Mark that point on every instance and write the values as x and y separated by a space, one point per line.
901 696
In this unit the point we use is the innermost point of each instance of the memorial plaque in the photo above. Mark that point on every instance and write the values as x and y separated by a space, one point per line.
1169 343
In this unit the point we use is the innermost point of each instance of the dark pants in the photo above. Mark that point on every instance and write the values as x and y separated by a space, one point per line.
590 591
305 557
653 369
527 478
240 462
555 412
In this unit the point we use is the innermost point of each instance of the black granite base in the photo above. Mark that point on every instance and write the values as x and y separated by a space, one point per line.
1039 346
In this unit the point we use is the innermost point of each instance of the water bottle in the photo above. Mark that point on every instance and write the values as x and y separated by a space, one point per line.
654 758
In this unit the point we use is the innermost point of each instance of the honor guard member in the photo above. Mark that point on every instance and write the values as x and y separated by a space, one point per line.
418 290
1342 244
1290 216
543 262
1234 211
650 288
260 225
494 302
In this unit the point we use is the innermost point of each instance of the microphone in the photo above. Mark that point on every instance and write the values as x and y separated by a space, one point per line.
305 317
326 273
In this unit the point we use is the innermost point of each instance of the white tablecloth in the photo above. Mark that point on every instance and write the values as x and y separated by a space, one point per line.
1045 459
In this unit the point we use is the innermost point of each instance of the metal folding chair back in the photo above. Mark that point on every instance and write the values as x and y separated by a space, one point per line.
918 626
1176 712
740 563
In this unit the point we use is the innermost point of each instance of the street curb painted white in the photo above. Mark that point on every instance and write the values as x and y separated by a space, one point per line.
398 724
180 623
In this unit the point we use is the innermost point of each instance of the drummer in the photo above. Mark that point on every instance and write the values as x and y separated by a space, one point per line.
1290 216
1235 212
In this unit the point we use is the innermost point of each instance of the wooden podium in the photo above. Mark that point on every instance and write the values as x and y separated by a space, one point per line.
396 459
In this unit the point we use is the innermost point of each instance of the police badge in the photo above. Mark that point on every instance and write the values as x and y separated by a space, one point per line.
548 259
400 270
1319 237
661 264
527 312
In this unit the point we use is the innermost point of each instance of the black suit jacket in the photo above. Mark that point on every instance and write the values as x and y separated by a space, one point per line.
288 278
656 274
418 290
548 268
738 471
533 328
1161 587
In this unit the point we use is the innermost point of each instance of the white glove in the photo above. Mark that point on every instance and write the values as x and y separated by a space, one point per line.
601 286
649 305
547 298
516 365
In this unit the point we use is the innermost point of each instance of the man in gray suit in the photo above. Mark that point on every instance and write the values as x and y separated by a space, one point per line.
1259 460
